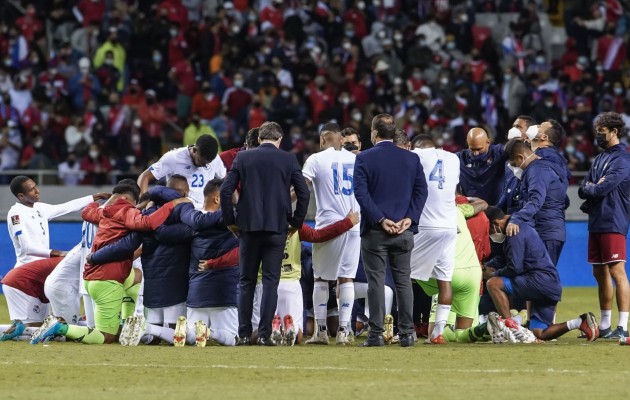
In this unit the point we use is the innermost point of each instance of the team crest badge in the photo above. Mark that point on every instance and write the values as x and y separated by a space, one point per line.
36 309
490 161
15 220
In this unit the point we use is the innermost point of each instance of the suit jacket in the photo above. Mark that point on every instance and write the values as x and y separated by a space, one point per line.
265 175
389 183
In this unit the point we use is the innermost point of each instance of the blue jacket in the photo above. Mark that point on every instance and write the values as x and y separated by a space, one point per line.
483 175
525 255
164 265
543 190
510 200
552 154
389 183
608 203
209 238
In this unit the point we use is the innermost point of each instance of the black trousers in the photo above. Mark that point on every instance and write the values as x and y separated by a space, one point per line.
256 248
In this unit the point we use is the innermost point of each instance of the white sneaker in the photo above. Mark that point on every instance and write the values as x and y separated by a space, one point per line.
343 337
124 337
201 334
138 328
496 328
181 329
511 335
321 337
524 335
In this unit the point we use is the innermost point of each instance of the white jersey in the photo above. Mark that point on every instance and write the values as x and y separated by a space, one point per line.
67 271
28 227
331 173
179 162
88 231
441 170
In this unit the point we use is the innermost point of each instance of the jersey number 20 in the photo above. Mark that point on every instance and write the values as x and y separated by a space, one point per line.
437 174
197 181
347 177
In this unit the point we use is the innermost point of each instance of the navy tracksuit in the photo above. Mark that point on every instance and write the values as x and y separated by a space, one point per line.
483 176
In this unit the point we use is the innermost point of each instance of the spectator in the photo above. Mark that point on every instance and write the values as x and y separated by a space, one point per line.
10 147
108 75
88 11
206 104
96 167
78 136
235 102
29 24
196 129
85 85
183 75
512 93
84 40
114 51
152 117
69 172
7 111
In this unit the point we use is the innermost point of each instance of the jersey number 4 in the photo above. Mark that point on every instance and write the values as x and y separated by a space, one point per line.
198 181
437 174
347 177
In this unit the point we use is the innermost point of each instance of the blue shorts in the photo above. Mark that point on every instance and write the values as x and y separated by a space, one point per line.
543 309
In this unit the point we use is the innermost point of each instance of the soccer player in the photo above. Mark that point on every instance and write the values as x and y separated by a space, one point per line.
606 190
24 290
199 164
544 189
28 220
482 167
110 283
528 275
433 255
330 173
62 287
350 140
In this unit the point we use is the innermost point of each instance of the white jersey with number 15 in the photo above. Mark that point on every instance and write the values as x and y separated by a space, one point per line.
441 170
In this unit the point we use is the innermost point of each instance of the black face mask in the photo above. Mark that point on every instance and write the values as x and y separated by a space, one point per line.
350 146
602 141
150 101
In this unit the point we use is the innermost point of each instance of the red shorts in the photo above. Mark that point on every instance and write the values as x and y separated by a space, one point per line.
606 248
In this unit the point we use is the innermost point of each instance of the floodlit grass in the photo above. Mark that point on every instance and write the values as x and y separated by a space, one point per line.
568 368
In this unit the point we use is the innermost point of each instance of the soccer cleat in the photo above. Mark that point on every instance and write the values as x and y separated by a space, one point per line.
289 331
388 329
439 339
276 330
181 328
201 334
123 338
496 328
589 326
15 330
47 331
617 334
524 335
343 336
602 333
138 328
321 337
422 330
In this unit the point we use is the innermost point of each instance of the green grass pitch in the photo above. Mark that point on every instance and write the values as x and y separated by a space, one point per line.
568 368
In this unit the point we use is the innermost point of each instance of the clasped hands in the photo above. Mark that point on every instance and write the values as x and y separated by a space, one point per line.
395 228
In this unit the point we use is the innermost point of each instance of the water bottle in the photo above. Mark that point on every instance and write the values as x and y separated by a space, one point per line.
624 341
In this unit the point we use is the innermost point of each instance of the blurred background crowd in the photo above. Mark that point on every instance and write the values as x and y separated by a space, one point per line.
94 86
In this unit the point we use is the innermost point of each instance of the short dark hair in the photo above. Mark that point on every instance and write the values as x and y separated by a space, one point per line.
610 120
128 181
251 138
385 126
212 186
330 127
528 120
270 131
146 196
556 133
494 213
207 147
127 190
515 146
401 138
178 177
349 131
419 139
17 184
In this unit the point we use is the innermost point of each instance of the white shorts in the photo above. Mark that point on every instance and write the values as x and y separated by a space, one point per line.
217 318
290 302
337 258
164 315
26 308
65 300
433 254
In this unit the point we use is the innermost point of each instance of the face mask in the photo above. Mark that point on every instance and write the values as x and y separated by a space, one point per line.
517 171
381 34
422 42
514 133
137 123
444 81
599 68
570 149
540 60
450 45
464 18
582 60
548 104
602 141
356 117
93 154
618 91
532 132
507 77
347 46
236 29
349 33
497 237
344 100
398 37
285 93
157 58
238 83
172 32
37 143
130 159
109 61
361 5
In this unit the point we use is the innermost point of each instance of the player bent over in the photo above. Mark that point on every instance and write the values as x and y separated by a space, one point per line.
529 274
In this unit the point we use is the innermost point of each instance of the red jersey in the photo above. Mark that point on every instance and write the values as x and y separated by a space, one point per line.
91 10
479 227
29 278
228 157
185 75
115 221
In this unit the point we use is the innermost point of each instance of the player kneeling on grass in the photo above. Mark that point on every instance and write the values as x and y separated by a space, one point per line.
529 275
23 288
109 284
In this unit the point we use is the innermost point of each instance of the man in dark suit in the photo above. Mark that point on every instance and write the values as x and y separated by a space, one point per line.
390 187
263 216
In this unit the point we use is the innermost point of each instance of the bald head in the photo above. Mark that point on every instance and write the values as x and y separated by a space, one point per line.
478 141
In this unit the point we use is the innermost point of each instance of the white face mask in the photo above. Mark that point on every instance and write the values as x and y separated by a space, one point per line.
513 133
497 237
93 154
517 171
532 132
238 83
356 117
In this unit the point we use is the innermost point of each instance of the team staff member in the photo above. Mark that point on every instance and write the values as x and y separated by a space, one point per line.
606 189
482 167
263 218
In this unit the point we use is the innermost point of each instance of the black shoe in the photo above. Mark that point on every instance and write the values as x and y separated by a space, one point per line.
244 341
265 342
616 334
603 333
373 341
406 340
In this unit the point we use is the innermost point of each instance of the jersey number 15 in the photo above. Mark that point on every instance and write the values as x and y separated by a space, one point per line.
347 177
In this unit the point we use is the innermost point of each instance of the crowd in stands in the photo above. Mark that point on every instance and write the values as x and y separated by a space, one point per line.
92 86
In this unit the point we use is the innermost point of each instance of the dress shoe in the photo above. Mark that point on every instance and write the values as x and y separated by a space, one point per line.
265 342
406 340
244 341
373 341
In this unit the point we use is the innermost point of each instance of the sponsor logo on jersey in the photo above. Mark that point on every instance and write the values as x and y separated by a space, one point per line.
615 256
15 219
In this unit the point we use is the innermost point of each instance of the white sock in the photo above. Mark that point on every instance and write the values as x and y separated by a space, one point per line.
345 302
574 323
320 303
604 319
518 319
623 320
223 337
441 317
191 336
162 332
389 299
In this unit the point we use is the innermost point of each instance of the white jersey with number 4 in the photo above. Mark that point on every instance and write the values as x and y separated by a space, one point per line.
331 172
441 170
179 162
